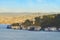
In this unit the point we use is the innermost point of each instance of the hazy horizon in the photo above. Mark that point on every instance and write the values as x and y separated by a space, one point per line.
25 13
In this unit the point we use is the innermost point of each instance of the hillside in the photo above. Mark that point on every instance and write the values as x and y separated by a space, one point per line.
8 18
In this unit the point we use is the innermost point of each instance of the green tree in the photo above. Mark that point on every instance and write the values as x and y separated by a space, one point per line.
27 23
38 21
15 24
57 20
48 21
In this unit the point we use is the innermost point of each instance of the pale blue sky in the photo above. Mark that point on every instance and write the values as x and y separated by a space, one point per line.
29 5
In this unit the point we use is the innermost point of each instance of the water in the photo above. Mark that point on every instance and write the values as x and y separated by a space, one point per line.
10 34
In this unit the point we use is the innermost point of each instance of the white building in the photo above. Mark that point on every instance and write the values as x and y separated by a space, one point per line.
53 29
50 29
36 28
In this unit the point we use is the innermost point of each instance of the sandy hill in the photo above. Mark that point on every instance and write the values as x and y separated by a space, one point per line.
8 18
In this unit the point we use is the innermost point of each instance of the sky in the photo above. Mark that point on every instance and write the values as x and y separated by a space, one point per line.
29 5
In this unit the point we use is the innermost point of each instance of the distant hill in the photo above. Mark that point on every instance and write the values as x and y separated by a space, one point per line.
8 18
20 14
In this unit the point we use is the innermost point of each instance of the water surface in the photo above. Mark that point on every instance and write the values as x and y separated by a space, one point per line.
10 34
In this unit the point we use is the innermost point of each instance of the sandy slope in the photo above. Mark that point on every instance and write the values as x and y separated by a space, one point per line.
7 18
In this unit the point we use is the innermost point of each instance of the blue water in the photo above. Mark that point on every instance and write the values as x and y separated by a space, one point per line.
10 34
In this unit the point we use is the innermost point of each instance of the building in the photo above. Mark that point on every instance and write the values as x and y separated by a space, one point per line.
14 26
53 29
34 28
50 29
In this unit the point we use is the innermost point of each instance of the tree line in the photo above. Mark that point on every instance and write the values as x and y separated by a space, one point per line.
45 21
